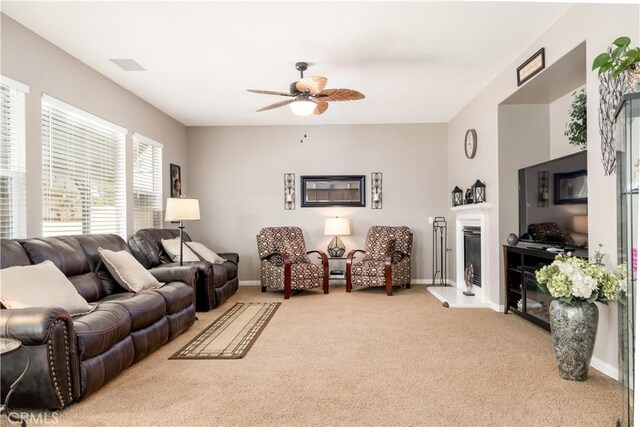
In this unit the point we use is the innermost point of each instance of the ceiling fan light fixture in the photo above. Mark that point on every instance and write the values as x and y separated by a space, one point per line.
303 107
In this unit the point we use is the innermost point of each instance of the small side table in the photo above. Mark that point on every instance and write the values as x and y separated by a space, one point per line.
337 264
9 346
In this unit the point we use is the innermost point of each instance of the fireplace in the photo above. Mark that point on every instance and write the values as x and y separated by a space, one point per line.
473 252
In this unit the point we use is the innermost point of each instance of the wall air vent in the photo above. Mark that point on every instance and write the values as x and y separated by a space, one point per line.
128 64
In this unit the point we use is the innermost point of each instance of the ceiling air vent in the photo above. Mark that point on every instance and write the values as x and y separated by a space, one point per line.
128 64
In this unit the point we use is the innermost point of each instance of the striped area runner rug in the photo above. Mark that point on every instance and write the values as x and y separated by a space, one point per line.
232 334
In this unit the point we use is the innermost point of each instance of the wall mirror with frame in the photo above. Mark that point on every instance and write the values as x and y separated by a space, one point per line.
332 190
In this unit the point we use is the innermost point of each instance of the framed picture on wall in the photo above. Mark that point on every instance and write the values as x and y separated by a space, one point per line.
570 188
175 181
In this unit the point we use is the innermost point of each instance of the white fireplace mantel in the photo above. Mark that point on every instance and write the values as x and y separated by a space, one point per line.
473 215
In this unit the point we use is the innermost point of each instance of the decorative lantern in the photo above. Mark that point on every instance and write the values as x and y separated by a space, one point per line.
479 192
456 196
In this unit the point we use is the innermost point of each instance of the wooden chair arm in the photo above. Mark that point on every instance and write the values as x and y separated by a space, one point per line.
325 269
351 255
323 257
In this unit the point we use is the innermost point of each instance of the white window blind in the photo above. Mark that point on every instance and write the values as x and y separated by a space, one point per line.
147 183
83 172
13 193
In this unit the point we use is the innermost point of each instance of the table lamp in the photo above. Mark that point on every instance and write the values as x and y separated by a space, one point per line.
336 227
580 226
182 209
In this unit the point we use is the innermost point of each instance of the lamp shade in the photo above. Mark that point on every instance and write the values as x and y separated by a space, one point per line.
337 227
179 209
580 224
303 107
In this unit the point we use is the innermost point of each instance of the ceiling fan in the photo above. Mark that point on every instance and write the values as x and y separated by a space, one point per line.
309 95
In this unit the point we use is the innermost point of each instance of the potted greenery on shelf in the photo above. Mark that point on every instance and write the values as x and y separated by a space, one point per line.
621 59
576 129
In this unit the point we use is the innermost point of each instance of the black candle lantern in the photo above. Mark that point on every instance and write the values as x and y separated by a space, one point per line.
479 192
456 196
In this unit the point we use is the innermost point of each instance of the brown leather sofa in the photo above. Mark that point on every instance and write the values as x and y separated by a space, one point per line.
72 357
216 282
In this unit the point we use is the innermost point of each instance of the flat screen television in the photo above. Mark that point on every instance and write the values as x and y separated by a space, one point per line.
553 202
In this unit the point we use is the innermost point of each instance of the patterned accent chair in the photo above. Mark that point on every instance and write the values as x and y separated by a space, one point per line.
386 261
285 264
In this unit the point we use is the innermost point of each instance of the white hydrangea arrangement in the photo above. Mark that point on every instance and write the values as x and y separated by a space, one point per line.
570 279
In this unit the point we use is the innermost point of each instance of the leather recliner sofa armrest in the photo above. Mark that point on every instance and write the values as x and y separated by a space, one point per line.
187 274
231 256
48 335
31 325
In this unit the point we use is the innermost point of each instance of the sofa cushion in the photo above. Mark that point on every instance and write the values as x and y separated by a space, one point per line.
101 329
90 243
53 288
205 252
12 253
127 271
232 269
89 286
172 248
146 247
64 252
177 296
220 275
144 307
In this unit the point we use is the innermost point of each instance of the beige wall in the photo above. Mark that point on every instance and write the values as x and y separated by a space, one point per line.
45 68
598 25
524 140
237 173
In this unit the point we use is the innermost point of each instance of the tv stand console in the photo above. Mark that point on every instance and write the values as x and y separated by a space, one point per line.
521 289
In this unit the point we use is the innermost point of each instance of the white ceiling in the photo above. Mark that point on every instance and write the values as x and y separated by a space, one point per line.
416 62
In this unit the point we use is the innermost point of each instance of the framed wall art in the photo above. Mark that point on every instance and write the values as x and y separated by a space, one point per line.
570 188
176 180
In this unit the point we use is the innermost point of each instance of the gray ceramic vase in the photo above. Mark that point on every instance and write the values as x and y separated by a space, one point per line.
573 329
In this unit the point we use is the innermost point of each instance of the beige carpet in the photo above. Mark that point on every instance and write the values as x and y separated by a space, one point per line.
359 359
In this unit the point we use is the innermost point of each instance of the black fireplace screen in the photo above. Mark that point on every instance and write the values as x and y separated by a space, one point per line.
472 252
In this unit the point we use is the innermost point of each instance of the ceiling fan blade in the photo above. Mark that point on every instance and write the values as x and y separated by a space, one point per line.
269 92
340 95
311 84
276 105
321 106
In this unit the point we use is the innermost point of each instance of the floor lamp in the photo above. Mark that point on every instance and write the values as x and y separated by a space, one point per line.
182 209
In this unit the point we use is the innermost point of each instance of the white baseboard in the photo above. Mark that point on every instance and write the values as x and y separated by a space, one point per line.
249 283
604 367
496 307
413 282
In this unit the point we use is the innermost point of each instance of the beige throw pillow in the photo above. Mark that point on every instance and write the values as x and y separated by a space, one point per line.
205 252
40 285
127 271
172 248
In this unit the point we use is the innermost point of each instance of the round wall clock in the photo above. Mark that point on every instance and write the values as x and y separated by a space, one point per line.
470 143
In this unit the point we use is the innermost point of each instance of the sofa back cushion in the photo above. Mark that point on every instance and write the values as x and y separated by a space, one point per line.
12 254
90 243
146 245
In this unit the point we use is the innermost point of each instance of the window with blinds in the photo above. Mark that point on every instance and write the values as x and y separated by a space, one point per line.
83 172
147 183
13 193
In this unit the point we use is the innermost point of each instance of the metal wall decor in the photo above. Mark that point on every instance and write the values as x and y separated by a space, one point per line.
440 251
543 189
376 190
289 191
611 91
